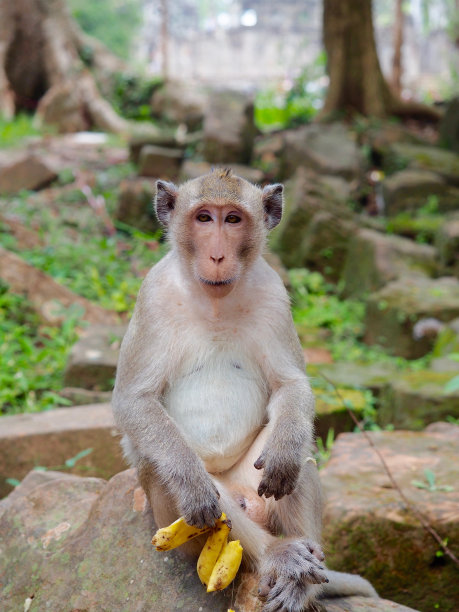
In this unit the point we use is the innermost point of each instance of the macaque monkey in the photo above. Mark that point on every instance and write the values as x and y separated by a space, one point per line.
211 392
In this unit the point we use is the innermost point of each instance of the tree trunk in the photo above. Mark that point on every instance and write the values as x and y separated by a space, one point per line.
47 64
396 80
357 84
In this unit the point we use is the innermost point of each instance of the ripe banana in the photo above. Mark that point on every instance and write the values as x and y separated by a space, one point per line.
212 548
176 534
226 567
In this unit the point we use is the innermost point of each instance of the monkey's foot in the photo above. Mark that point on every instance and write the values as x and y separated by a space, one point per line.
291 575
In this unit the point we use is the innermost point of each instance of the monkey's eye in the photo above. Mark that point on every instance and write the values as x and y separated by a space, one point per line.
233 219
204 218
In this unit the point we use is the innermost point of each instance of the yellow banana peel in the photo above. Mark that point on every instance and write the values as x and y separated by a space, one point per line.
226 567
212 548
176 534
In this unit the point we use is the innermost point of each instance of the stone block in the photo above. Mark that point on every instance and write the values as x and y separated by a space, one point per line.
85 544
394 311
229 128
415 399
93 359
374 259
327 148
160 162
50 438
411 189
369 530
27 172
135 204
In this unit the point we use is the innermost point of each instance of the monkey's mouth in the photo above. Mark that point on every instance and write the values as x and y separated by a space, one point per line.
211 283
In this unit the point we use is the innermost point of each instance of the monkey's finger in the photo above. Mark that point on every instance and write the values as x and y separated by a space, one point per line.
315 550
259 463
265 585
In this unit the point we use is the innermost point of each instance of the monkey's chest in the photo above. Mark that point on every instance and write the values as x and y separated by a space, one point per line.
219 406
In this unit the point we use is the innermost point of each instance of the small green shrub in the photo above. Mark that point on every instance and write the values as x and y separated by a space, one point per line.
32 356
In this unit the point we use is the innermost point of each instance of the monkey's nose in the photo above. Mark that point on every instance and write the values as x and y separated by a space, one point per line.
217 260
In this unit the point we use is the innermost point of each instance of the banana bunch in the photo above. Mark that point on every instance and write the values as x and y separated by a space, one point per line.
219 560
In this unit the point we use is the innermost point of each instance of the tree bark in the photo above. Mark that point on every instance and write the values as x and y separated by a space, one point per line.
48 64
396 80
357 84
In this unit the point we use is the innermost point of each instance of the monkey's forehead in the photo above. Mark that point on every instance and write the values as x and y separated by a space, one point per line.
219 187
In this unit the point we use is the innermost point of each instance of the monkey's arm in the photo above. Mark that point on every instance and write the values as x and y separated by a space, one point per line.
291 414
145 359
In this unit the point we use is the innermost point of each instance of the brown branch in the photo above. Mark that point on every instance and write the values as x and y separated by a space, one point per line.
410 505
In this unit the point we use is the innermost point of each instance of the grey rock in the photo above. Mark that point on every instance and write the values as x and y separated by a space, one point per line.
394 310
367 526
327 148
432 159
414 399
94 357
374 259
229 128
160 162
449 126
411 189
180 103
27 172
51 438
135 204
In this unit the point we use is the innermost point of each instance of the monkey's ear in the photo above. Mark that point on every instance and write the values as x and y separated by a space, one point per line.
272 204
166 194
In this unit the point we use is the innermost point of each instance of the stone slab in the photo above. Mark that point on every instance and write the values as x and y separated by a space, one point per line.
50 438
368 529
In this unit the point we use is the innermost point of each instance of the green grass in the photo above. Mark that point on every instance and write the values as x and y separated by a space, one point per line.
32 356
14 132
316 306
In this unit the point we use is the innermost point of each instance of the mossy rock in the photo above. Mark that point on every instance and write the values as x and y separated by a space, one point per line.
423 228
309 201
373 377
412 189
374 259
367 528
393 312
443 162
332 412
415 399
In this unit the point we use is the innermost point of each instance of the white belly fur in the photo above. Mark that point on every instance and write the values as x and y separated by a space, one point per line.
219 407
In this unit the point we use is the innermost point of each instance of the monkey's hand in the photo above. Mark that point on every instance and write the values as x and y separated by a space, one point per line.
290 573
281 469
198 502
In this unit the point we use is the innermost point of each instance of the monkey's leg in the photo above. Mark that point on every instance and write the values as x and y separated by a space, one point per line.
290 569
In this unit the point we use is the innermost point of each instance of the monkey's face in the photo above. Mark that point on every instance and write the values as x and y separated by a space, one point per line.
219 245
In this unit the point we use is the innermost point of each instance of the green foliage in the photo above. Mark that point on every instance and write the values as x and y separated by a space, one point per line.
324 450
32 356
69 463
452 385
131 95
315 304
275 109
114 22
14 132
430 484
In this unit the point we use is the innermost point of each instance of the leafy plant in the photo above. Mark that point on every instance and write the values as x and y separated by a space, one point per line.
32 356
324 450
15 131
277 108
430 484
